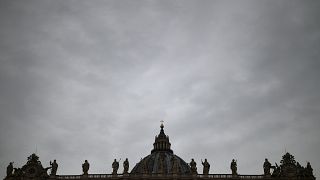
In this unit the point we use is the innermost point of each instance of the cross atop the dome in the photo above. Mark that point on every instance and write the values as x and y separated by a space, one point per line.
162 124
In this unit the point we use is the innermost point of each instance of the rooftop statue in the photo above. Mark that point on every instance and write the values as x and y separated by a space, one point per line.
125 166
234 167
85 167
206 167
266 167
17 172
276 170
10 169
54 167
115 167
300 169
309 170
193 167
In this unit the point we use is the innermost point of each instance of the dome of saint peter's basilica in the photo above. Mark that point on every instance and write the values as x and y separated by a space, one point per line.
161 160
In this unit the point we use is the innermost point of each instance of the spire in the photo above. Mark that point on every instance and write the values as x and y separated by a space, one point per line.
161 141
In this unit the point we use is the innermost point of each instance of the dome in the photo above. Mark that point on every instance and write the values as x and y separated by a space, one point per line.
161 163
162 160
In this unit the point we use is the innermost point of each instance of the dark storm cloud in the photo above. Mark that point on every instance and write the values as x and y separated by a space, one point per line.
91 80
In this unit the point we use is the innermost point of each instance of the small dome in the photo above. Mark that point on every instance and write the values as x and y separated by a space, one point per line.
161 160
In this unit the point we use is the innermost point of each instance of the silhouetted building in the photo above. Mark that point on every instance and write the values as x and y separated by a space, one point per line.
162 164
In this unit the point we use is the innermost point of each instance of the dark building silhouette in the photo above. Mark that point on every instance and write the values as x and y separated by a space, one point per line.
162 164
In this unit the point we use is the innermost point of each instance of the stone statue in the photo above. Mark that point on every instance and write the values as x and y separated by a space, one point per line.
175 167
54 167
276 170
125 166
300 169
193 167
206 167
44 172
233 167
309 170
266 167
17 172
85 167
115 167
10 169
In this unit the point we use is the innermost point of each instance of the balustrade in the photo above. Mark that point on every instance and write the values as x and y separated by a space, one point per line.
157 176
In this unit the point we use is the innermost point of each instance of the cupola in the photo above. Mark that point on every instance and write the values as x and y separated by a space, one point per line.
161 142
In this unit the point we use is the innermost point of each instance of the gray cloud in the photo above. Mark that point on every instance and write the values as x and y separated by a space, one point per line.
91 80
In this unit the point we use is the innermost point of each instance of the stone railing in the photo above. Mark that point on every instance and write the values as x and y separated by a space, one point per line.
68 177
157 176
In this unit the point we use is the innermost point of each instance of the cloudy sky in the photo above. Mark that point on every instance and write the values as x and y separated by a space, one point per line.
92 79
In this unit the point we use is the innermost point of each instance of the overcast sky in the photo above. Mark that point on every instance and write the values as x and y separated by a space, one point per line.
92 79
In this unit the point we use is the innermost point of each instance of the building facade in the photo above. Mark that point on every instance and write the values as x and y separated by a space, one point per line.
162 164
